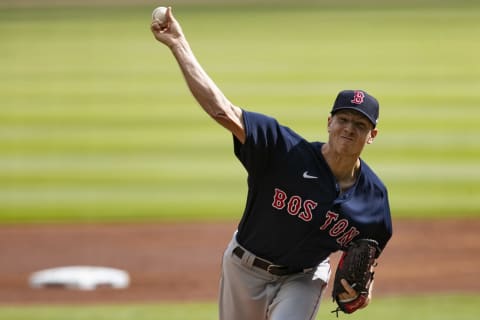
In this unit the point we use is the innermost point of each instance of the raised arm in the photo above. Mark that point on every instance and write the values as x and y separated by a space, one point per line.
202 87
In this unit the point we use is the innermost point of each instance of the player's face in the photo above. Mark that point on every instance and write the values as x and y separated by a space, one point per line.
349 131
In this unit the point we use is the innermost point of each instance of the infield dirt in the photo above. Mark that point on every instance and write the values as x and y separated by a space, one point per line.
181 262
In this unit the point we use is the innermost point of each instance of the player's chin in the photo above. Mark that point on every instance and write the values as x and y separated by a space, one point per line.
346 147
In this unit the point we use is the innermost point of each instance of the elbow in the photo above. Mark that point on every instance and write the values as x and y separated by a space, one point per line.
217 108
218 115
223 112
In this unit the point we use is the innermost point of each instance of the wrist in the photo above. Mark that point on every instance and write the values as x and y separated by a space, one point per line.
178 44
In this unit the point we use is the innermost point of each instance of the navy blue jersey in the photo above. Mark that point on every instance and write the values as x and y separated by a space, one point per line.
294 213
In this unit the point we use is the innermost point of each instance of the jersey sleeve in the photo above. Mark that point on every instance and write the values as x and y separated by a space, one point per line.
381 222
383 212
265 139
387 221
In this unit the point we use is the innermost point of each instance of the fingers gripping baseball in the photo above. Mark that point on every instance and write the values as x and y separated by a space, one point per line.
167 30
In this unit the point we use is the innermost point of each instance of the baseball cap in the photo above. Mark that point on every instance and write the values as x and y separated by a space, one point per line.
360 101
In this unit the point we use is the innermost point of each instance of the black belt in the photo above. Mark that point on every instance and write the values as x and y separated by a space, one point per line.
274 269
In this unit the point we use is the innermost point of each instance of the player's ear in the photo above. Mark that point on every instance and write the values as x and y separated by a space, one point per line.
329 122
373 134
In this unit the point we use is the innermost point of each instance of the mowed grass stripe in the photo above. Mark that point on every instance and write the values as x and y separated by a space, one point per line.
417 145
425 307
429 111
145 169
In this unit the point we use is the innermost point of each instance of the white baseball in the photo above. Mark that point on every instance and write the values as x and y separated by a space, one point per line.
160 14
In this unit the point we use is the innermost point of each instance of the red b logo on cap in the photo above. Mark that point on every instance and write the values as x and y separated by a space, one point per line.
358 97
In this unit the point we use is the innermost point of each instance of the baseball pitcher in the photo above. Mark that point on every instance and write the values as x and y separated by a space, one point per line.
305 201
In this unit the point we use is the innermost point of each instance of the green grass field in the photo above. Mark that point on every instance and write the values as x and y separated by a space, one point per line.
446 307
96 122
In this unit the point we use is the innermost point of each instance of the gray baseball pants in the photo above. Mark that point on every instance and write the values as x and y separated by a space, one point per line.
250 293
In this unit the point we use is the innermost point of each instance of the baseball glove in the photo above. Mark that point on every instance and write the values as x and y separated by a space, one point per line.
356 267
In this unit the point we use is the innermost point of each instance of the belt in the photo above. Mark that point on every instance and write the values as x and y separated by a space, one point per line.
274 269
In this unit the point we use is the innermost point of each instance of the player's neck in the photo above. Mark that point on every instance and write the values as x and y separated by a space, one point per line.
344 168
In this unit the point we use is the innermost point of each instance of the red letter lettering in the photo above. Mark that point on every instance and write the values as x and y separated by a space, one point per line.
308 206
358 97
348 236
294 205
279 199
339 227
331 216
